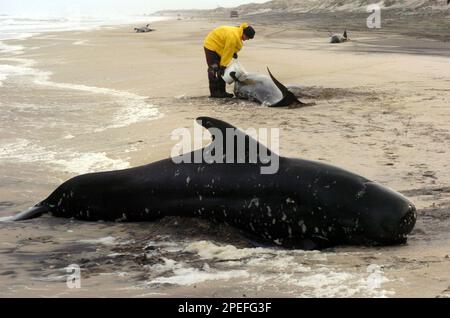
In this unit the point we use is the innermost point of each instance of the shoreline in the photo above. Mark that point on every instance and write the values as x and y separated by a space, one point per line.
381 116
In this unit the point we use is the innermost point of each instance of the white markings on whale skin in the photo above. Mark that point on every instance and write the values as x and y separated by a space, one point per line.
304 228
254 202
123 218
269 211
289 231
278 241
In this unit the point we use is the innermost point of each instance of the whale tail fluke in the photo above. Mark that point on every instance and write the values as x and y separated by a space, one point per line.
29 214
289 99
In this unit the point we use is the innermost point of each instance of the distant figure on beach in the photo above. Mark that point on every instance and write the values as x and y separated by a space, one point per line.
336 38
143 29
221 45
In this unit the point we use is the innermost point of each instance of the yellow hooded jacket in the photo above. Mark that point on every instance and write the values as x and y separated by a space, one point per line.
225 41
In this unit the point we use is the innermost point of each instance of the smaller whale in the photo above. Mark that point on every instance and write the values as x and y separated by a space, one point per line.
266 90
337 38
143 29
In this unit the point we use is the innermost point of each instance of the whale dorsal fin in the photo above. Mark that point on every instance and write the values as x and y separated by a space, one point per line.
243 145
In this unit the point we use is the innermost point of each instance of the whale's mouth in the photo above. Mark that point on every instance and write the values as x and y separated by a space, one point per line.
404 226
387 232
390 216
399 234
408 221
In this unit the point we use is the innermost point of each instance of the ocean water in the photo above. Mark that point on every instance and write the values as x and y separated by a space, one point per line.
50 131
16 27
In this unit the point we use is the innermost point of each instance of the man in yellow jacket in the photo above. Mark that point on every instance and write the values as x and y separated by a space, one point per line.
221 45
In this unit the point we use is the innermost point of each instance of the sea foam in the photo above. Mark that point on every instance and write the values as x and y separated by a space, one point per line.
67 160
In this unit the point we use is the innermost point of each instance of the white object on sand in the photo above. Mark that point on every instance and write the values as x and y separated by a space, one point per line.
235 67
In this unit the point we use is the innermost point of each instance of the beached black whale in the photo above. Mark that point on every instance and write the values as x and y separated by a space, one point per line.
266 90
304 204
337 38
144 29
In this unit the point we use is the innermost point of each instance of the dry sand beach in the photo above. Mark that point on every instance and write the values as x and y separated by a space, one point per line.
109 99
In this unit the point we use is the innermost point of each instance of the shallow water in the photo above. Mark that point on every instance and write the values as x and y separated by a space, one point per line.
176 257
48 129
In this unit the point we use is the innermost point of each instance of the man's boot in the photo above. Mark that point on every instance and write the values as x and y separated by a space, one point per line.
217 84
213 82
214 88
217 89
222 89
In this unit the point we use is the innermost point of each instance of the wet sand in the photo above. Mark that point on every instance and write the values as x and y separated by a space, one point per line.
381 112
